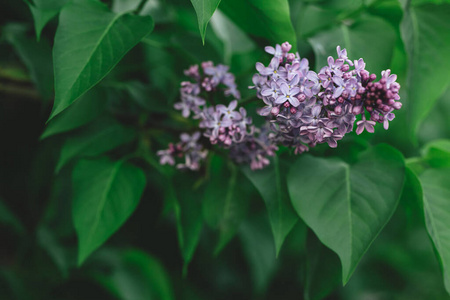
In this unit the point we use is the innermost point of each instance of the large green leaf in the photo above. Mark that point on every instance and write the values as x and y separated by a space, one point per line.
348 205
271 185
204 9
225 203
132 275
105 194
89 42
103 135
436 204
86 109
37 57
359 44
43 11
425 35
269 19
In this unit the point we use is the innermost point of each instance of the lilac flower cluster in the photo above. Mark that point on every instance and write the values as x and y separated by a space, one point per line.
225 126
306 108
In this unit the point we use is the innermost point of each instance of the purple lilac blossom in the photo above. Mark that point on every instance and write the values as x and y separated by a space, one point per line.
225 126
327 103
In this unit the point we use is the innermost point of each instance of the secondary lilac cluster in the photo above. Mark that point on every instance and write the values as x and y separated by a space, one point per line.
306 108
225 126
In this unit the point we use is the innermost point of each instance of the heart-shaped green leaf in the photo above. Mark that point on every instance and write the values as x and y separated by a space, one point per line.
347 205
89 42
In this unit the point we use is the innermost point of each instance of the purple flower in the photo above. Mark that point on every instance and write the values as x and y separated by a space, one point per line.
228 112
189 103
216 123
276 52
218 73
365 124
340 86
335 65
288 95
271 70
359 66
352 87
342 54
388 77
272 91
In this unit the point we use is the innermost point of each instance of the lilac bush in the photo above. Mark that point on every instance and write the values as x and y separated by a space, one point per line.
306 108
302 108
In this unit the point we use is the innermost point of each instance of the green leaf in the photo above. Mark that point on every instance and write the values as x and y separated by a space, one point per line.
43 11
225 203
425 36
234 39
436 195
37 57
105 194
322 270
271 185
132 275
83 111
204 10
89 42
188 214
269 19
259 250
103 135
437 153
347 206
358 43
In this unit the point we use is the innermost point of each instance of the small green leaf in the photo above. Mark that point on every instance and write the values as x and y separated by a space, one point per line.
89 42
271 185
204 10
120 6
425 36
83 111
347 206
436 195
103 135
269 19
358 43
43 11
132 275
105 194
437 153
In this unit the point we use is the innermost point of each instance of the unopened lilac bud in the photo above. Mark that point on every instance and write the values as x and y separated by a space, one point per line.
290 57
293 110
275 110
375 117
332 101
301 97
395 86
358 97
347 75
222 130
361 90
340 100
286 47
345 94
386 108
338 109
391 102
364 75
372 77
357 110
286 104
379 102
369 108
345 68
397 105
